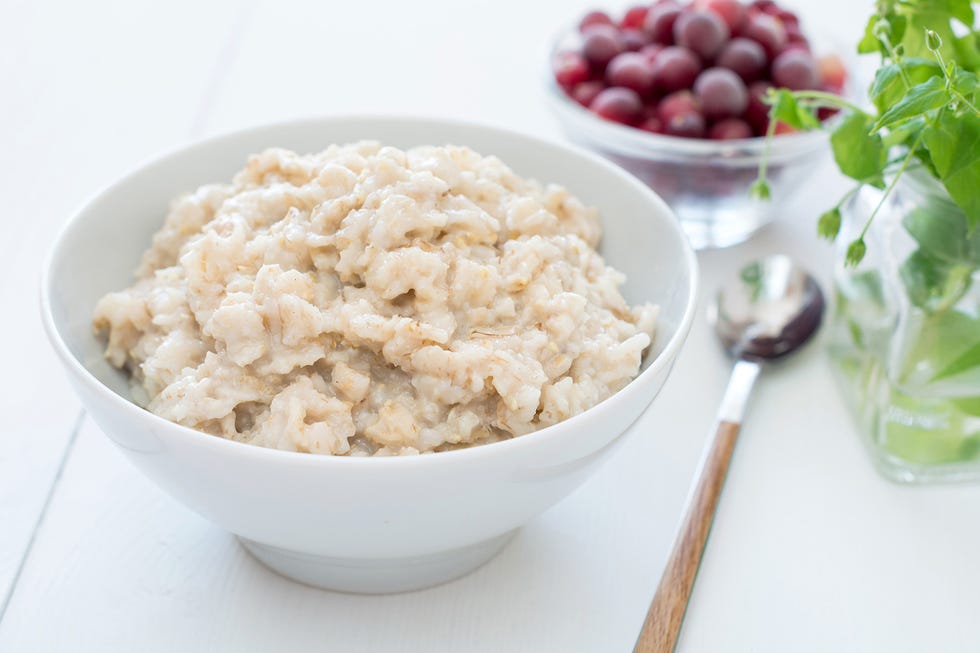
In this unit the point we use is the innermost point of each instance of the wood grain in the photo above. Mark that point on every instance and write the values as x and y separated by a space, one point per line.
663 622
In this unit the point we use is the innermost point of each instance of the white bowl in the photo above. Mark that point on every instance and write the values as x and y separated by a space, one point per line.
363 524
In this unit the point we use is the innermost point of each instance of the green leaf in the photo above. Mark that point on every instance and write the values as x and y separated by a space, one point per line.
934 284
893 27
905 134
966 361
940 346
889 84
860 154
965 82
943 233
969 405
828 226
786 109
961 10
869 42
921 98
967 50
953 143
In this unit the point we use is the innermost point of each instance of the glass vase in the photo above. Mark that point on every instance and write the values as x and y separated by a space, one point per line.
905 334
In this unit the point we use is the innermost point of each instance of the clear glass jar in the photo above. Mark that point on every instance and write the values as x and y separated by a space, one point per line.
905 335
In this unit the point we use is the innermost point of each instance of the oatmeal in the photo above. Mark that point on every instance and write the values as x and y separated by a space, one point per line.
372 301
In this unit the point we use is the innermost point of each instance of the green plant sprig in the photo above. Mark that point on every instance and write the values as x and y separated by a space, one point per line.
924 95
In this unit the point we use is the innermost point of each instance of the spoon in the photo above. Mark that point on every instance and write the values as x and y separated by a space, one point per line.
768 312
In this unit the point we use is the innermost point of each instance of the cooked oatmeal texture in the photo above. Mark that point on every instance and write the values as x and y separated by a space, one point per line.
371 301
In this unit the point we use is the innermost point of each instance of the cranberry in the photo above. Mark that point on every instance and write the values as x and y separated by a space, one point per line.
722 93
631 70
730 11
617 104
767 31
585 92
757 111
677 103
634 17
730 129
600 44
701 31
659 23
594 18
675 68
832 74
795 70
570 69
651 51
652 125
686 125
634 39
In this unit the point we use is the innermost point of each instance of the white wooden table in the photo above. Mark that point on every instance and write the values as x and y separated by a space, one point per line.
811 550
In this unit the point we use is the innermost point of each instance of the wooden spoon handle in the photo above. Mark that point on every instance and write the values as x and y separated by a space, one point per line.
663 622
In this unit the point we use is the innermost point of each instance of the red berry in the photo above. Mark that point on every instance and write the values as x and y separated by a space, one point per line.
722 93
617 104
600 44
795 70
634 17
744 57
651 51
767 32
686 125
730 11
594 18
703 32
586 92
764 5
659 23
677 103
634 39
652 125
631 70
675 68
823 113
730 129
570 69
832 74
787 18
757 112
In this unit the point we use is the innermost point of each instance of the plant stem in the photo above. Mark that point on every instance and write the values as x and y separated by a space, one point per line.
764 163
891 186
848 195
831 100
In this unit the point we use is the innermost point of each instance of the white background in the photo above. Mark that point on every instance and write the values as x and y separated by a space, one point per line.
811 551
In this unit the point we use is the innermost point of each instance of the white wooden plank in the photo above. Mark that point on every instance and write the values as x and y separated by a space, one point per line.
89 90
811 551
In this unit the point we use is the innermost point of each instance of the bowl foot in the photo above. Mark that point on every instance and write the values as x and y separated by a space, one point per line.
377 576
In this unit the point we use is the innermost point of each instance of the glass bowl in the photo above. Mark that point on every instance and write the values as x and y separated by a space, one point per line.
706 182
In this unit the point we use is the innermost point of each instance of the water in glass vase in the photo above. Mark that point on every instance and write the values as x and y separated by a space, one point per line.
905 335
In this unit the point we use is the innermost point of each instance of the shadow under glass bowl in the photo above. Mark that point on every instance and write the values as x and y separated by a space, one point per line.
705 182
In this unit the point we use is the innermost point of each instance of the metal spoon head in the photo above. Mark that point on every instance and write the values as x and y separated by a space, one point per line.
771 309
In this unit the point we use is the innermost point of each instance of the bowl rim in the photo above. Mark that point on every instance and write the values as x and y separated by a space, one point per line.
625 138
663 359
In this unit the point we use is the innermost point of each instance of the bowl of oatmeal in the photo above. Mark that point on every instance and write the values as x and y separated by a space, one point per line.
370 348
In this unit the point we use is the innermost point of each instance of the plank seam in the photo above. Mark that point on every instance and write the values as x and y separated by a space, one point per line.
69 448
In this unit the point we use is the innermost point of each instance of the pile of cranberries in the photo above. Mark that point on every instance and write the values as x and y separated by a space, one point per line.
697 70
